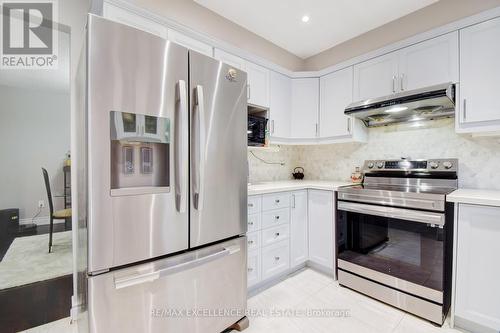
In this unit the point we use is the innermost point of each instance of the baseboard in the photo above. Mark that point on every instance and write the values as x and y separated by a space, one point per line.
268 283
44 220
470 326
322 269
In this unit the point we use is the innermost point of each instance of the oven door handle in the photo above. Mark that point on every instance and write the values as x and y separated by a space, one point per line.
391 212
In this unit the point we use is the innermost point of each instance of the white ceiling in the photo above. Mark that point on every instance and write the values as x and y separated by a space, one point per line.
331 21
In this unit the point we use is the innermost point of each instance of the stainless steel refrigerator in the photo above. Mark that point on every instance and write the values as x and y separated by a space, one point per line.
163 245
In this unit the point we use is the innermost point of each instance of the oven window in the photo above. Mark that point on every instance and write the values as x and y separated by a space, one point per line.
411 251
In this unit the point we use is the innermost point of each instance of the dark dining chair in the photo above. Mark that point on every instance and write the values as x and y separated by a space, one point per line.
63 214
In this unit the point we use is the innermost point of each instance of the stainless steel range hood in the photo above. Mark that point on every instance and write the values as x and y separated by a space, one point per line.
407 106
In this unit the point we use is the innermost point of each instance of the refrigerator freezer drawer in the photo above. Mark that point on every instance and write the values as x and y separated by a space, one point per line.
200 291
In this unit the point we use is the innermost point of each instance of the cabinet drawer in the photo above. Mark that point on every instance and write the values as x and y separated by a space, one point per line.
254 222
275 234
275 259
253 240
254 204
275 217
253 268
275 201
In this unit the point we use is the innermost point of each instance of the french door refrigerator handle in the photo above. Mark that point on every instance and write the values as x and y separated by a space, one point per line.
137 279
390 212
181 146
200 167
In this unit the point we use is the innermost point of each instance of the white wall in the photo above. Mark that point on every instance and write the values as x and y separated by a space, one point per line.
34 132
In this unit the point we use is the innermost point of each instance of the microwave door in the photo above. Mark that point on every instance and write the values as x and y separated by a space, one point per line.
137 146
218 150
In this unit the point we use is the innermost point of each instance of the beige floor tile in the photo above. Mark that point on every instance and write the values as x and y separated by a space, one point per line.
412 324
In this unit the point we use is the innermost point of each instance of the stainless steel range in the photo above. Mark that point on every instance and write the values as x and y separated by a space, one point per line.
395 234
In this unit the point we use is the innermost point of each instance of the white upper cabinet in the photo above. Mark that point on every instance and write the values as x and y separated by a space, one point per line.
429 63
258 77
480 75
335 95
229 59
190 43
421 65
258 84
376 77
280 105
298 228
305 108
124 16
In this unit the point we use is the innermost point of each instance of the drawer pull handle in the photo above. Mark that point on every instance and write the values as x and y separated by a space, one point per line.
276 258
250 269
277 234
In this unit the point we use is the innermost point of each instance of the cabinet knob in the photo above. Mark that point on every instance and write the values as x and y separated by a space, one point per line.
277 217
249 269
277 201
276 258
250 242
277 234
250 223
250 205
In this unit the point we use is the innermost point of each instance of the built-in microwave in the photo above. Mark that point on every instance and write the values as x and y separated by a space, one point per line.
256 130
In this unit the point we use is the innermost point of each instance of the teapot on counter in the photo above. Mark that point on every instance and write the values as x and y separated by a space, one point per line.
298 174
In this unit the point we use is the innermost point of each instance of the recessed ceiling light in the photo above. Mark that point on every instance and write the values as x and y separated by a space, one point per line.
305 18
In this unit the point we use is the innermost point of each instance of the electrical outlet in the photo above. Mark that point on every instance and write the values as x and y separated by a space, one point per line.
41 204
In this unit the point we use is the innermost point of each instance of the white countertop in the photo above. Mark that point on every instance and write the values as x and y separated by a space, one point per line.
475 197
293 185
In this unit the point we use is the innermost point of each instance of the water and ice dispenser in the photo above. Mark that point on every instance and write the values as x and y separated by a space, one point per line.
140 153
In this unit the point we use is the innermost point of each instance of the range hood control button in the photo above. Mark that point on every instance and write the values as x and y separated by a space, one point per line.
434 165
380 165
447 165
371 165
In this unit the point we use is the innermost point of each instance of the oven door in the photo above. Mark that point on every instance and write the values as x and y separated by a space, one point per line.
400 248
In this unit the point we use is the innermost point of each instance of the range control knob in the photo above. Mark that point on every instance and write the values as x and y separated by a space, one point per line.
380 165
447 165
434 165
371 165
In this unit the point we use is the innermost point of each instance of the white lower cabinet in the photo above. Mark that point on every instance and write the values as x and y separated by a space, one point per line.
477 291
275 234
299 251
288 229
253 268
275 217
268 236
254 222
253 240
275 259
321 228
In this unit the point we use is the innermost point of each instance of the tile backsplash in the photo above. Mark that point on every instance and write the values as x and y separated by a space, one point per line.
265 165
479 157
